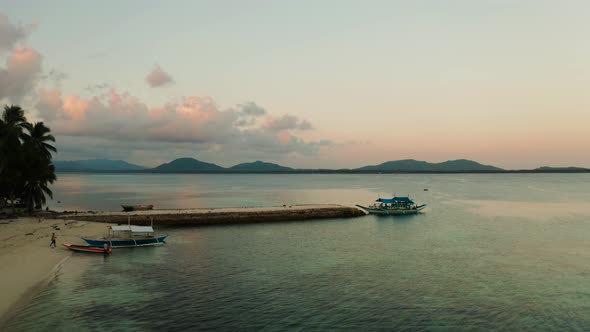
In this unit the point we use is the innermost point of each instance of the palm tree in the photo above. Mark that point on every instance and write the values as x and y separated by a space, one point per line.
14 123
11 133
3 135
25 159
3 165
38 169
40 173
38 137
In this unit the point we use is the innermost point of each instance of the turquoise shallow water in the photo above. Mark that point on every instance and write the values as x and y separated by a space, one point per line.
473 261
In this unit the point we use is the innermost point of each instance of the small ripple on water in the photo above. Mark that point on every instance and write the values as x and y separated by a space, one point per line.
448 269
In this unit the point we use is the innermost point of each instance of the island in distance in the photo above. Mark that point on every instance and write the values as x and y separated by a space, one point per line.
191 165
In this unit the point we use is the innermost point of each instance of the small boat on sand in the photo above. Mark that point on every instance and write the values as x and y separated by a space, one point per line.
128 236
398 205
88 249
137 207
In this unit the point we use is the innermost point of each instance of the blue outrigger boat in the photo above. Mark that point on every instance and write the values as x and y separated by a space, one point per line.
398 205
128 236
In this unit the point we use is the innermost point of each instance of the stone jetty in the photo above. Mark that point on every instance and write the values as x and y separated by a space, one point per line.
218 216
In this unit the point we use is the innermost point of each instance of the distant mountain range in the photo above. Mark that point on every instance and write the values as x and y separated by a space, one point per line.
411 165
260 166
191 165
96 165
187 165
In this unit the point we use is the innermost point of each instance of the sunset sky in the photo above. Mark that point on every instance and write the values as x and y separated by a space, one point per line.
336 84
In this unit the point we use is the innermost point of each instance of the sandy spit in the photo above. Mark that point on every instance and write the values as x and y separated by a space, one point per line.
26 260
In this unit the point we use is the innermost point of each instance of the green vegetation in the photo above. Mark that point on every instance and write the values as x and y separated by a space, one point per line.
26 168
187 165
260 166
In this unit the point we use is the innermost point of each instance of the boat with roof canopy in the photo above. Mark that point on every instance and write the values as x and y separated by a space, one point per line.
128 236
398 205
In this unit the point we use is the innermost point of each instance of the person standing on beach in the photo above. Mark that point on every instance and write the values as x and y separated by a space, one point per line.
53 238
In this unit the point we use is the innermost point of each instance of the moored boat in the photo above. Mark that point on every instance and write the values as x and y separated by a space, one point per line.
137 207
398 205
88 249
128 236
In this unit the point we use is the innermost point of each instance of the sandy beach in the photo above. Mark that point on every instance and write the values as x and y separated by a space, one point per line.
26 260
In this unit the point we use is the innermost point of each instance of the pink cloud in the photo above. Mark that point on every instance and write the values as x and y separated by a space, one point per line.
158 77
21 74
284 137
118 118
49 101
75 108
196 119
121 117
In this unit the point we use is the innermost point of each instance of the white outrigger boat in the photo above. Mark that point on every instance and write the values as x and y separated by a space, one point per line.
128 236
393 206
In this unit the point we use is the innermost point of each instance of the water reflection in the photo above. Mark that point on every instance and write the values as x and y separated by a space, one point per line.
453 267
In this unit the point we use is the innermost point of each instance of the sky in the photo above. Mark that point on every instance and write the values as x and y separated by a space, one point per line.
308 84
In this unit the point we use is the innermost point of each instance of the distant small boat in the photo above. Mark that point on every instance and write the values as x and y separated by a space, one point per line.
393 206
88 249
137 207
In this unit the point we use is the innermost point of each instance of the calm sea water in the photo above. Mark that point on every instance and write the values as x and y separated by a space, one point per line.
473 261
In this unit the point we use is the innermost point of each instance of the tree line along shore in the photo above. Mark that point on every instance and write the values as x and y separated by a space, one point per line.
26 167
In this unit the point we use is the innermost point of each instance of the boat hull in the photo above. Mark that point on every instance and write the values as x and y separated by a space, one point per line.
87 249
392 212
137 207
128 243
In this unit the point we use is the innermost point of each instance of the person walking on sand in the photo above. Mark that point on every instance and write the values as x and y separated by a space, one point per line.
53 238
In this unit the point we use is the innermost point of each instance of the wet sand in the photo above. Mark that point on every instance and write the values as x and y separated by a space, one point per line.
26 260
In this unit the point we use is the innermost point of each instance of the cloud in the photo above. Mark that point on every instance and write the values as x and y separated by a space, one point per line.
11 34
22 69
286 122
195 121
55 76
49 104
250 108
93 88
249 113
115 121
158 77
21 74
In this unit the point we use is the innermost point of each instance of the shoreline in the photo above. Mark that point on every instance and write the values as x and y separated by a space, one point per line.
27 263
30 293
